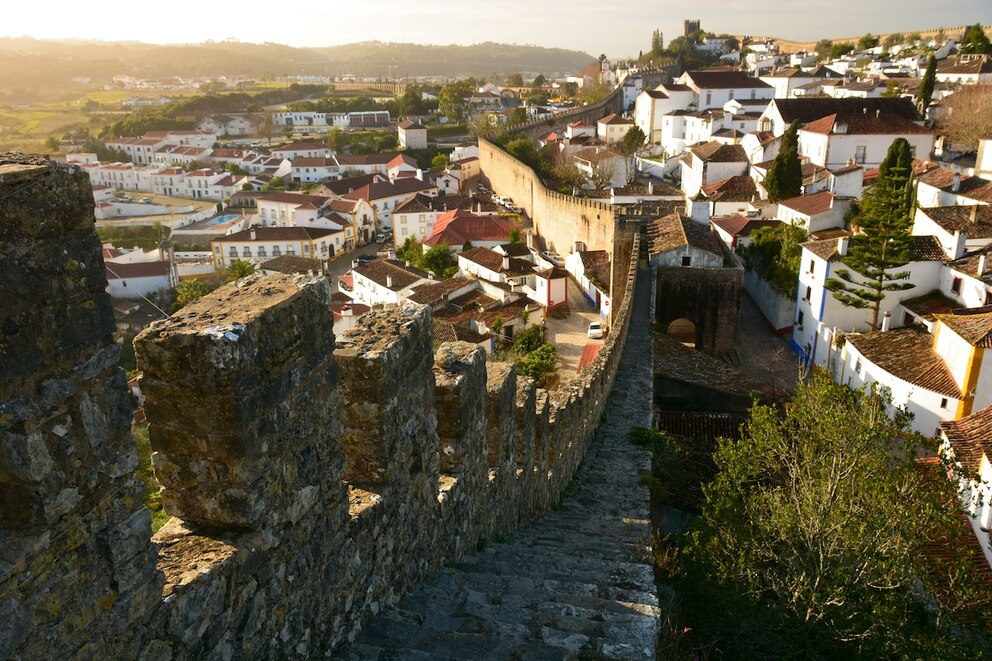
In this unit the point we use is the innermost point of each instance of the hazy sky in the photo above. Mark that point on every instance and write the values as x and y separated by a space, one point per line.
618 28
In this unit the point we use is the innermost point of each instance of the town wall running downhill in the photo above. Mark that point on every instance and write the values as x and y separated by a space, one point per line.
312 480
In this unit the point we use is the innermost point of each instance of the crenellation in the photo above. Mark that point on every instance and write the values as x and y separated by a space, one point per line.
312 480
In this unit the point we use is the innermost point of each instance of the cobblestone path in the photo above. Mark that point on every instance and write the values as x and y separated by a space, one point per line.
577 583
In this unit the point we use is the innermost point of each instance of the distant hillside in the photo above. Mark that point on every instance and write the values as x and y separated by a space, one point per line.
35 68
425 60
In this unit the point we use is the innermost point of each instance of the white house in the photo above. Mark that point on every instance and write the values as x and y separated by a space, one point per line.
958 228
965 69
227 125
712 89
385 196
415 216
780 113
259 244
304 149
968 443
458 228
677 240
386 281
134 280
815 212
310 170
286 209
412 135
736 230
709 163
864 138
612 128
819 316
938 186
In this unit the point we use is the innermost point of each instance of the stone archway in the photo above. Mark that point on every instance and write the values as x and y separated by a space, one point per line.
684 331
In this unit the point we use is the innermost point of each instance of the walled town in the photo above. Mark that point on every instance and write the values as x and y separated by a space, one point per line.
674 356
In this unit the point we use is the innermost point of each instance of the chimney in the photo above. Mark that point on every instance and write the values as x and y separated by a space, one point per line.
253 235
842 245
973 213
981 265
389 282
408 263
650 188
878 113
956 183
506 262
886 321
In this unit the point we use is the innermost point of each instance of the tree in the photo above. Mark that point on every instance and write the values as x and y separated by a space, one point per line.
892 90
775 254
913 38
816 533
603 173
190 290
867 41
975 41
439 261
657 43
539 81
631 142
439 163
451 100
883 245
514 236
966 118
891 41
515 80
263 124
823 49
517 116
239 268
840 49
785 176
925 93
569 90
523 150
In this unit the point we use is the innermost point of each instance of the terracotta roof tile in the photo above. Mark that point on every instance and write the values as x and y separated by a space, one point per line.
676 230
810 205
907 354
402 275
738 225
974 325
717 152
970 438
740 188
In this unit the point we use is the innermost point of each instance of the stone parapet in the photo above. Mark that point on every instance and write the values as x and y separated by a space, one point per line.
312 480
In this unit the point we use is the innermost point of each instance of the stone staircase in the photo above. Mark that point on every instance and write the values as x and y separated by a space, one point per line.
577 583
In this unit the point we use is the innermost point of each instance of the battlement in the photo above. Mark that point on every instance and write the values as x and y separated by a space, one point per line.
312 480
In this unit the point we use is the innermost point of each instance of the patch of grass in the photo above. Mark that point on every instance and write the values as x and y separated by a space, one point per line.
152 496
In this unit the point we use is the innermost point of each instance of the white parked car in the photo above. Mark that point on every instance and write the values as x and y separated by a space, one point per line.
596 331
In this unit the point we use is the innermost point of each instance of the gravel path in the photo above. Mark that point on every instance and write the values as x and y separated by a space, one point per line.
578 581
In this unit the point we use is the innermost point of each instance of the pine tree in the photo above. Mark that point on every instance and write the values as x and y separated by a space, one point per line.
785 176
925 93
884 243
975 41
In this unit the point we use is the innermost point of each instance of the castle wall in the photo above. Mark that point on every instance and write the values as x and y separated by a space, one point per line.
313 480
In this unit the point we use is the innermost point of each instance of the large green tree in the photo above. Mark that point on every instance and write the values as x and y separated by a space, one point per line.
785 176
876 254
817 533
925 93
451 100
628 147
975 41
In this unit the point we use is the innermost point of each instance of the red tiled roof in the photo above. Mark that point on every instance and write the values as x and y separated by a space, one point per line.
724 80
974 325
738 225
277 234
907 354
865 124
810 205
676 230
493 261
458 227
970 438
740 188
123 270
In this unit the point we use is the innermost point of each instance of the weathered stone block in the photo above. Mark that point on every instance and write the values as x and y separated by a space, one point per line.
460 378
257 356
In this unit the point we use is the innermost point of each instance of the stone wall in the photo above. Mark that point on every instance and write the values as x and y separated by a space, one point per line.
709 298
535 128
312 481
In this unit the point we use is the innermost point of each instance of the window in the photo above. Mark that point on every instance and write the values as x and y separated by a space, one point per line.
306 248
812 266
988 297
809 294
233 252
709 97
290 250
246 252
686 260
860 153
275 251
956 286
261 251
857 366
943 402
799 319
753 93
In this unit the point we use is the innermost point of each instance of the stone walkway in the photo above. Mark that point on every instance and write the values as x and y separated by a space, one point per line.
575 584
